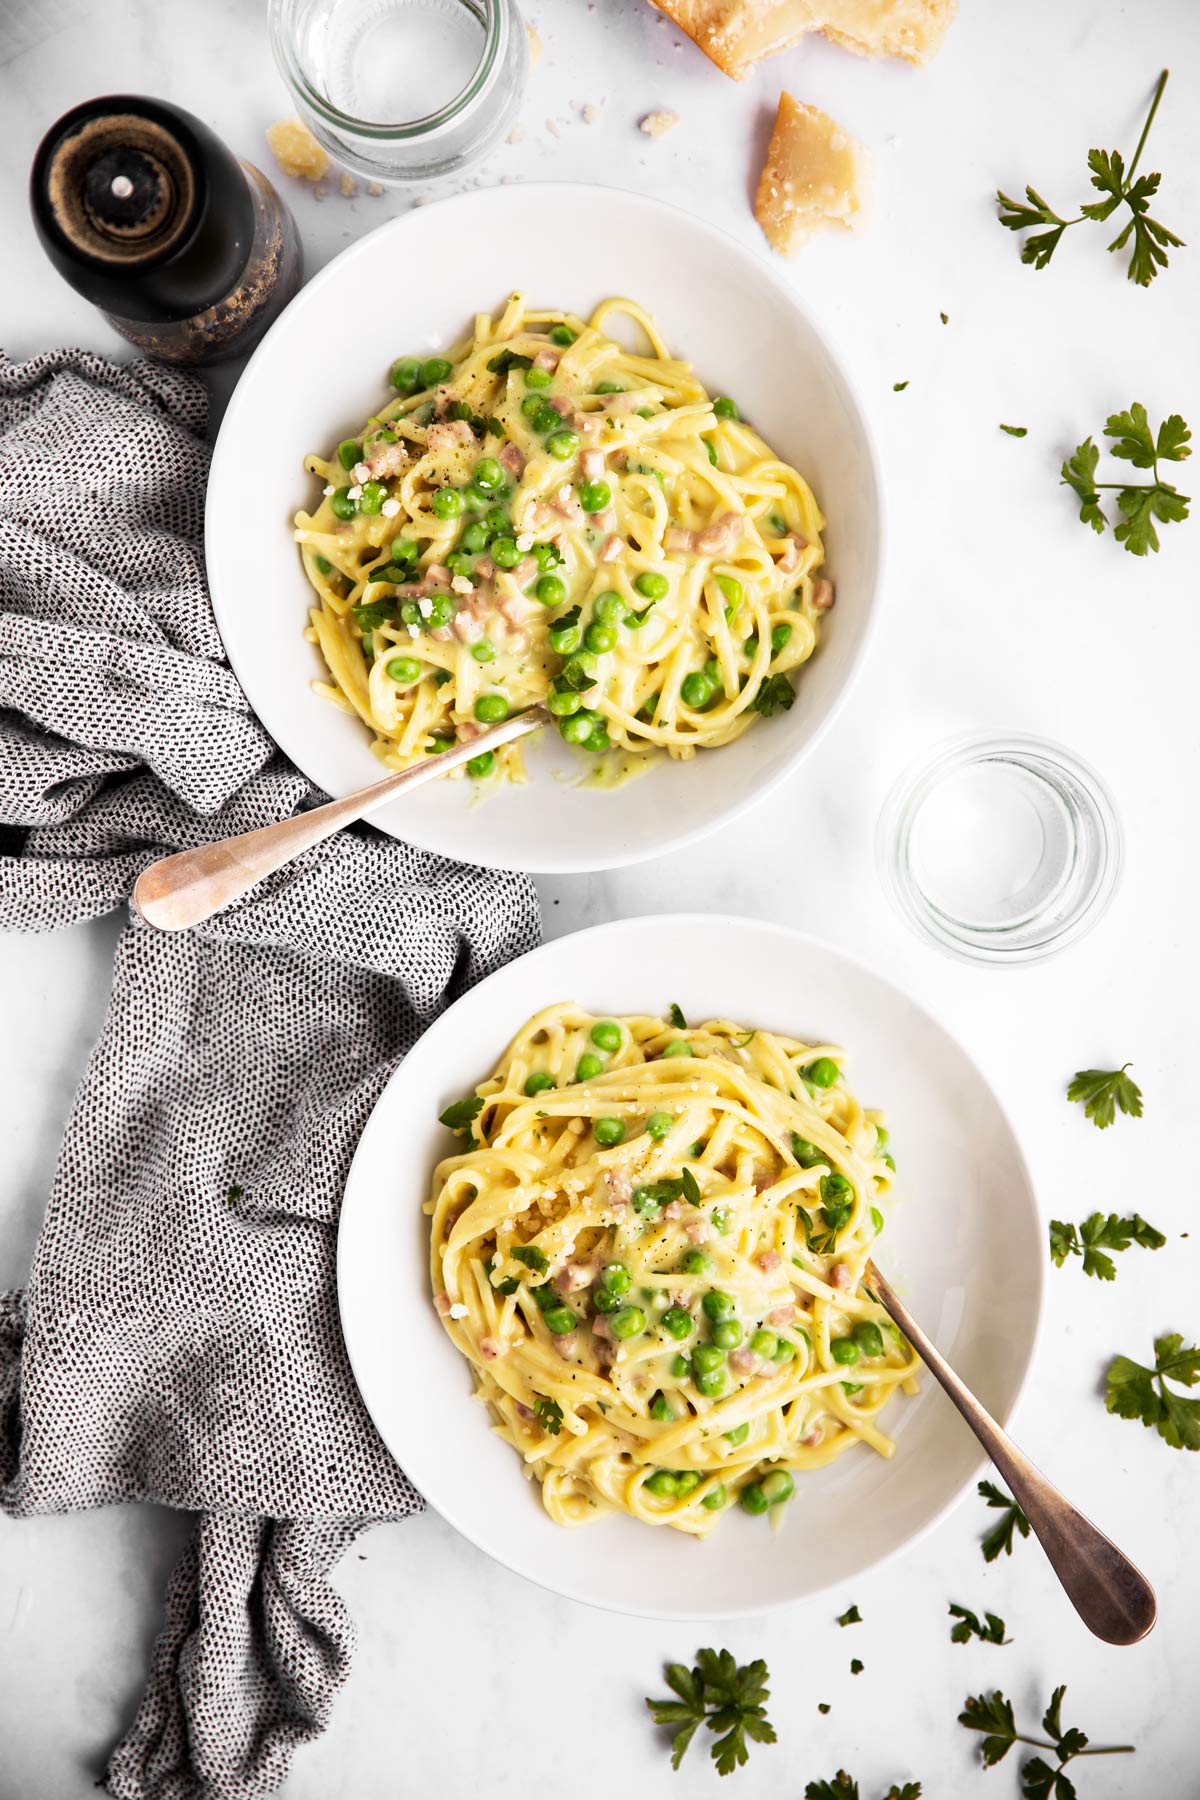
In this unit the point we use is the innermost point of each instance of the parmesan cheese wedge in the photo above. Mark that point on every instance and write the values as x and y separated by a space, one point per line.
738 33
296 150
815 175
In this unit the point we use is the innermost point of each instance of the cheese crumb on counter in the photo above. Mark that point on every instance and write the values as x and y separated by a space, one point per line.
535 44
815 175
349 186
658 124
296 150
736 34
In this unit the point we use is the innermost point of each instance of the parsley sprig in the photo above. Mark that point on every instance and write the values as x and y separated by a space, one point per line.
548 1413
1133 1391
1139 502
968 1627
1098 1234
843 1788
775 694
993 1715
460 1115
729 1700
999 1540
1102 1091
1119 187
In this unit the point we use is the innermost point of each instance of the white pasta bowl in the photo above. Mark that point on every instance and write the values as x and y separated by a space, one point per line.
413 286
963 1244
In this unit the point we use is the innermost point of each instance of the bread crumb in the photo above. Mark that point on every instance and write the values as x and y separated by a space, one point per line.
296 150
535 44
589 113
374 188
321 190
553 127
814 176
516 135
658 124
348 186
736 35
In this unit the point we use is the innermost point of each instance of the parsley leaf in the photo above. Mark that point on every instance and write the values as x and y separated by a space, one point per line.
1039 1781
852 1617
968 1627
1133 1391
1098 1234
691 1189
1102 1091
856 1667
676 1017
730 1700
1139 503
375 614
910 1791
548 1413
898 387
531 1256
1016 430
999 1540
461 1114
1118 186
776 694
994 1717
840 1788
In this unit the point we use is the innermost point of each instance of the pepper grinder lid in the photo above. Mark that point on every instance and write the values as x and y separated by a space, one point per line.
141 208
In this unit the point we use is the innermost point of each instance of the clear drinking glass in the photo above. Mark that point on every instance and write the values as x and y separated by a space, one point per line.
1000 849
403 90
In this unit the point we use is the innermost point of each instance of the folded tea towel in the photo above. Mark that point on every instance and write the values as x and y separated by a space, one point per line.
178 1338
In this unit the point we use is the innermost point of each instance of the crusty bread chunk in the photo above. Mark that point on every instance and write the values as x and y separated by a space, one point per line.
815 175
738 33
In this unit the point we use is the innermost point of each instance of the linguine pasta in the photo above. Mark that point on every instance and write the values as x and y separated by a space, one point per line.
652 1255
544 515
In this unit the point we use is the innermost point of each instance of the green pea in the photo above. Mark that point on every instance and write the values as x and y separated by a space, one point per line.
577 729
883 1137
661 1408
836 1189
687 1481
707 1357
560 1320
561 334
616 1278
822 1073
442 609
662 1484
404 669
491 708
341 505
717 1305
738 1435
546 556
563 705
505 554
447 503
805 1153
538 378
868 1337
588 1067
781 635
753 1499
844 1350
608 1132
563 639
324 566
406 374
727 1334
605 1301
483 652
562 445
725 408
659 1125
551 590
546 418
784 1351
712 1383
720 1219
594 496
852 1387
405 550
715 1498
887 1157
750 646
696 690
711 448
489 474
678 1322
680 1367
537 1082
777 1487
458 563
877 1220
475 498
349 452
695 1262
732 589
435 369
371 500
763 1343
628 1321
606 1034
597 740
676 1047
652 586
600 638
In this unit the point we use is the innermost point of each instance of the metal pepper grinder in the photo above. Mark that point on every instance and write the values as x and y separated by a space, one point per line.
188 253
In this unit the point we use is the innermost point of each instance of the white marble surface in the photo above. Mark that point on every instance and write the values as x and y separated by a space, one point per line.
1001 611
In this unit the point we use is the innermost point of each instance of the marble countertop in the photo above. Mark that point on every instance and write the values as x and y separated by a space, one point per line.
1001 611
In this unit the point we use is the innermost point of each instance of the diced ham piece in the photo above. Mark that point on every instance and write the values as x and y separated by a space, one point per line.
566 504
546 359
768 1260
523 1411
672 1209
386 461
782 1315
591 464
822 596
587 425
450 435
605 521
619 1188
485 568
567 1345
611 548
442 635
467 627
513 459
790 558
561 407
489 1349
573 1276
813 1437
469 729
438 572
698 1231
517 607
601 1328
841 1276
743 1362
675 537
719 538
443 1303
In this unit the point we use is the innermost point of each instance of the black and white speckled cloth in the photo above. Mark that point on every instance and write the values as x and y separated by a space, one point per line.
178 1338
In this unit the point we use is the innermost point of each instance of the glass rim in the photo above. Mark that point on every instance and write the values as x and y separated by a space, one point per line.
994 947
376 131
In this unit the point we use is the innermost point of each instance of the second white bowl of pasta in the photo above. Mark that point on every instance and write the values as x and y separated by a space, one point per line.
563 482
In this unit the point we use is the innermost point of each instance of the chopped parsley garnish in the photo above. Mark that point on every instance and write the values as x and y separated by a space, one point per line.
531 1256
1015 430
1133 1391
775 694
460 1115
676 1017
969 1626
999 1540
851 1617
548 1413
